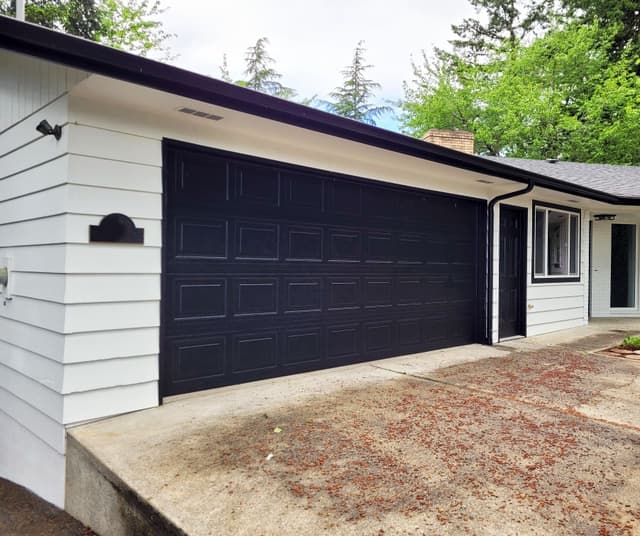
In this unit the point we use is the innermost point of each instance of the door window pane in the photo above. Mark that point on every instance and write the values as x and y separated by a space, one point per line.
623 265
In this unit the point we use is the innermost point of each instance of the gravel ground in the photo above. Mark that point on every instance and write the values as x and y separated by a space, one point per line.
24 514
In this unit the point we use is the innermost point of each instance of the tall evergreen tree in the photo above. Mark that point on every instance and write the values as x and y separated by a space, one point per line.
261 76
508 22
623 15
353 98
224 70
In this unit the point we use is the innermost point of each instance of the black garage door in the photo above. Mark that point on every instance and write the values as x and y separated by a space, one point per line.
270 269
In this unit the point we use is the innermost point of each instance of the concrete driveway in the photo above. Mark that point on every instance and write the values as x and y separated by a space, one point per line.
524 438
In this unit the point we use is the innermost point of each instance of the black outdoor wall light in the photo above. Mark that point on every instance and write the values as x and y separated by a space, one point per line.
47 130
604 217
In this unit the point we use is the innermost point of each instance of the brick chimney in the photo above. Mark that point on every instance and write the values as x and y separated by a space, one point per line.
460 140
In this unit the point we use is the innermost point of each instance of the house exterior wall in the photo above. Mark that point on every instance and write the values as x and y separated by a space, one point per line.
28 84
80 340
551 306
601 268
33 173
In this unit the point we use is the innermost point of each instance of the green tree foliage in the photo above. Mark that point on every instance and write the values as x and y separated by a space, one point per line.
77 17
570 93
130 25
353 98
623 15
261 75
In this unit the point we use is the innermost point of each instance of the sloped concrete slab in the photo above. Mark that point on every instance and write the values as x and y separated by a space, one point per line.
488 442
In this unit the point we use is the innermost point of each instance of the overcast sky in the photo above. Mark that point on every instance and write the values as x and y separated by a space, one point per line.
312 41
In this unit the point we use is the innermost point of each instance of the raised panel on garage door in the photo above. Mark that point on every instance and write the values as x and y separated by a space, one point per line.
272 269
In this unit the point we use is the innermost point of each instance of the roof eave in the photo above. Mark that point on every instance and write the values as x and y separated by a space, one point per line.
96 58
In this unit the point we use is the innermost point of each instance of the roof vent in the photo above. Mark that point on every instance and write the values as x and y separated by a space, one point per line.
553 160
198 113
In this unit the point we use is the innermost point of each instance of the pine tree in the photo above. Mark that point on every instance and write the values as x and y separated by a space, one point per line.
224 70
353 98
261 76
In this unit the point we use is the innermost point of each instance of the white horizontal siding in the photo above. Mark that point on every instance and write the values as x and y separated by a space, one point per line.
81 258
37 367
35 394
76 199
87 288
34 154
554 315
31 346
542 291
556 325
74 318
93 171
112 259
111 316
66 228
47 429
91 140
29 460
49 258
105 373
556 304
32 338
48 230
31 352
98 345
109 401
41 177
36 313
24 133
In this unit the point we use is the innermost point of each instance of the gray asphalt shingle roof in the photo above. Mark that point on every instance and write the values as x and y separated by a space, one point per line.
623 181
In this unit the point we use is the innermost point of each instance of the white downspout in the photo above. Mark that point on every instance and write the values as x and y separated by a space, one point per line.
20 9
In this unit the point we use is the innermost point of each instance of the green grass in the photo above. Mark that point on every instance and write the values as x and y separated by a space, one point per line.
631 343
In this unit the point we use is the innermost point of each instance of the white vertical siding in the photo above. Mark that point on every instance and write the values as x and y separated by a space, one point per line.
601 270
28 84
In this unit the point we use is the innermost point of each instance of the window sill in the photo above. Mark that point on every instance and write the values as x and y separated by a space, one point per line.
568 279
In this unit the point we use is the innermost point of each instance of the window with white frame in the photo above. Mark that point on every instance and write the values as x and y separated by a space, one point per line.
556 243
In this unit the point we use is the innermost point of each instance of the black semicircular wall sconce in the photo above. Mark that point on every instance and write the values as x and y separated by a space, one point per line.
116 228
